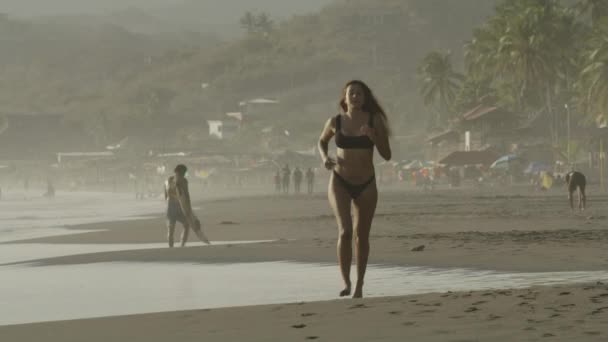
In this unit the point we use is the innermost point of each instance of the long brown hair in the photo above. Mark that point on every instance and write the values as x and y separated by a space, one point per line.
371 104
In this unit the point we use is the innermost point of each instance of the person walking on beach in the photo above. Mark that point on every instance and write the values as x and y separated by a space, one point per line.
576 180
360 125
297 179
310 180
277 181
286 178
179 208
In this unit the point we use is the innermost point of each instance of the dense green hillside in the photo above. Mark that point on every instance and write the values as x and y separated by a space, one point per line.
302 61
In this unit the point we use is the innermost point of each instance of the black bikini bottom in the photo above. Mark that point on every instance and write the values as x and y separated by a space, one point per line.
354 190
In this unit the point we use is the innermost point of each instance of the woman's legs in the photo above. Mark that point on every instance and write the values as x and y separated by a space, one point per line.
185 233
364 208
340 202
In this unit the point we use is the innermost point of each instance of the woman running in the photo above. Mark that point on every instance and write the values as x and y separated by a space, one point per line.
352 192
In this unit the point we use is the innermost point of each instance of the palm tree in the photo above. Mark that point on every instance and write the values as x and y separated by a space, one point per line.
248 22
598 9
474 92
439 83
594 76
263 23
530 49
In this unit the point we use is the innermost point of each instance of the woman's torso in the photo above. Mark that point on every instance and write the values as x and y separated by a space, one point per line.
356 154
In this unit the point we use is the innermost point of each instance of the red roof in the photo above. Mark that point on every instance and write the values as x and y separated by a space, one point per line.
446 135
478 112
461 158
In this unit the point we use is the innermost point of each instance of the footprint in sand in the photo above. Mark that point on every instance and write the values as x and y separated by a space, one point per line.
426 311
408 324
479 303
599 310
359 306
554 315
299 326
593 333
312 337
529 328
456 317
548 335
535 321
228 223
308 314
395 312
564 293
493 317
471 309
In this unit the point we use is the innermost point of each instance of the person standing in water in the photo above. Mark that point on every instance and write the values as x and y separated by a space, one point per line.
361 125
179 208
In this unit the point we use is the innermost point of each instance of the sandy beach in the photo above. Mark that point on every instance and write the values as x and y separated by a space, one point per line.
515 232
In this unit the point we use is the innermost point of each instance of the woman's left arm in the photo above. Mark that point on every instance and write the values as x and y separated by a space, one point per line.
381 137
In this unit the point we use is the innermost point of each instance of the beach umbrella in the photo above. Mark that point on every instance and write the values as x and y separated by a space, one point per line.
414 165
537 167
504 161
429 164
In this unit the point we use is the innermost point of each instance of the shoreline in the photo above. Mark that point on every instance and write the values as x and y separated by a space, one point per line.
472 230
531 314
522 233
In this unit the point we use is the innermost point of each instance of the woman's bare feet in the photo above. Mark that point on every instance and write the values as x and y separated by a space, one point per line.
346 291
358 291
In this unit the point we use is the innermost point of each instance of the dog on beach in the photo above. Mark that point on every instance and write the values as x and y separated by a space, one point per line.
576 180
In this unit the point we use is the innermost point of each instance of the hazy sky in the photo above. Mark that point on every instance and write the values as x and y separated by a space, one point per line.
52 7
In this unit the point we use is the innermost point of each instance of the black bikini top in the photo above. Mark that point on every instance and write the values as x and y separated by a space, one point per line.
352 141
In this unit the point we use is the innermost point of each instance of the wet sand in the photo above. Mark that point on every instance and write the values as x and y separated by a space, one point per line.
575 313
517 232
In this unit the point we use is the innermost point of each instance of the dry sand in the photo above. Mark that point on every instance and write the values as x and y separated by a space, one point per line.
528 232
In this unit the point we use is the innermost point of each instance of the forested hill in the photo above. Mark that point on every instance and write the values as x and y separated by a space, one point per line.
303 61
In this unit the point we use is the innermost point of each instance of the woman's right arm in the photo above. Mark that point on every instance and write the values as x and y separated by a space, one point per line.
324 139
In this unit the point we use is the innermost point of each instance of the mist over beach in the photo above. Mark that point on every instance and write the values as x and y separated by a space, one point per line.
331 170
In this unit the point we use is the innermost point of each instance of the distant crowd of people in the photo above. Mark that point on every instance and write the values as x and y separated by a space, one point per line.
283 177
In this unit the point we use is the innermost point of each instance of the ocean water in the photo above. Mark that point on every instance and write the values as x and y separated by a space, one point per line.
31 216
51 293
